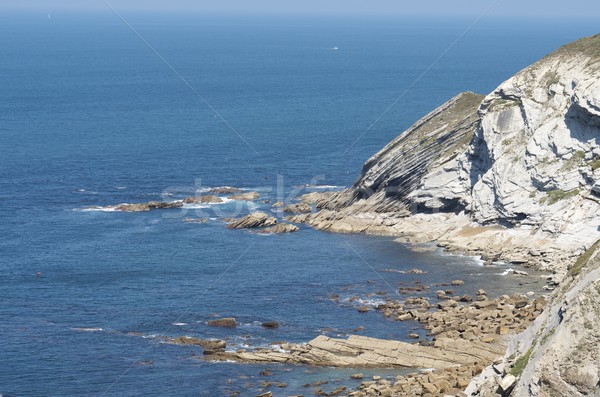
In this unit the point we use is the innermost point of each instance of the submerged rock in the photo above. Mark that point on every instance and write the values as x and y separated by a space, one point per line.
254 220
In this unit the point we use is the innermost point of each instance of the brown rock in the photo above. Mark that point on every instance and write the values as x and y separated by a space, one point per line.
270 324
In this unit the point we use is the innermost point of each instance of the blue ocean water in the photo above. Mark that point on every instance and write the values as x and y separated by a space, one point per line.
91 114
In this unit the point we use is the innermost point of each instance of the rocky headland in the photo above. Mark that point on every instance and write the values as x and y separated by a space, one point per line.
513 176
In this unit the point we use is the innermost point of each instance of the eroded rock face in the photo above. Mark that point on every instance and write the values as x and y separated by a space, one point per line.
254 220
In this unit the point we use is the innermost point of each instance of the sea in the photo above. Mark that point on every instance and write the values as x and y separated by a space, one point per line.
98 109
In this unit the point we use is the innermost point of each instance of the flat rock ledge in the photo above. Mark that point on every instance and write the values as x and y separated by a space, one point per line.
364 352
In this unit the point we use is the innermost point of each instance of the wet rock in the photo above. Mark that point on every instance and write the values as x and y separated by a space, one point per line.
254 220
457 282
363 309
270 324
357 376
228 322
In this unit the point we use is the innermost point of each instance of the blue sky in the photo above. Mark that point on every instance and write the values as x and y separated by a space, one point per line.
502 8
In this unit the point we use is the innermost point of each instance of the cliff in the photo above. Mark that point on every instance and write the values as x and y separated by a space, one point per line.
517 168
513 176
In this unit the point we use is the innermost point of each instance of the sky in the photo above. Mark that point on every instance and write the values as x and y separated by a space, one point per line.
501 8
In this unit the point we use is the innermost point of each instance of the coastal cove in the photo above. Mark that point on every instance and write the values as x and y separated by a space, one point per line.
160 246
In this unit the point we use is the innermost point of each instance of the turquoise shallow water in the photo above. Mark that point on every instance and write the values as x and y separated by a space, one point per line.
89 115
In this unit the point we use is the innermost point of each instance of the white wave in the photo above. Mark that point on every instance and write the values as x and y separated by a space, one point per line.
195 206
506 272
120 187
88 329
178 324
108 208
369 302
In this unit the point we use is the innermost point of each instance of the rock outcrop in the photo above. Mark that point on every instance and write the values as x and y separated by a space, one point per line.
361 351
151 205
203 200
254 220
298 208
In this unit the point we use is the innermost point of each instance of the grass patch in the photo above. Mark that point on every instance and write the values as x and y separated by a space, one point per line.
595 164
554 196
583 259
547 336
501 104
521 362
575 161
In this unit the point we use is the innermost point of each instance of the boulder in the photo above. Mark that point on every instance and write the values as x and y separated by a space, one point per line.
228 322
270 324
254 220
